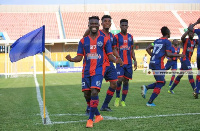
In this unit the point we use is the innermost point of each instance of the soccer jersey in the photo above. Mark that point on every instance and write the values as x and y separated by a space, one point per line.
188 48
159 51
145 59
197 31
94 52
111 38
175 50
124 44
171 64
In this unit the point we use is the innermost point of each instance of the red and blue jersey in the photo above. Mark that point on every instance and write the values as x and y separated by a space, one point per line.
175 50
197 31
111 38
124 45
161 46
188 48
94 52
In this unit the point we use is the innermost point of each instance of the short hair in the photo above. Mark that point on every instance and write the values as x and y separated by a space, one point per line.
164 30
123 20
106 16
94 17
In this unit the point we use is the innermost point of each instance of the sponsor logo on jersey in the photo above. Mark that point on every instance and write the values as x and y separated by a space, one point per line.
124 47
190 49
93 56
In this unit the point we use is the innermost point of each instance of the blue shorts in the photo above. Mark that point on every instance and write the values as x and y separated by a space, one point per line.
185 65
155 66
171 64
160 78
125 71
92 82
198 61
110 73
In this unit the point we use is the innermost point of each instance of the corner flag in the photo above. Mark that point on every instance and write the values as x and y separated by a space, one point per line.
28 45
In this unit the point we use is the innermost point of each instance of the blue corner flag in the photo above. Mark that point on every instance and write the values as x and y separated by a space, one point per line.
28 45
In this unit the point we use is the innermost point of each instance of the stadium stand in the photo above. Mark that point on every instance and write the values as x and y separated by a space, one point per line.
189 16
75 23
148 23
18 24
144 24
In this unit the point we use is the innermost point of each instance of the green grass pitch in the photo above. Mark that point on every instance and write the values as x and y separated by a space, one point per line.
19 108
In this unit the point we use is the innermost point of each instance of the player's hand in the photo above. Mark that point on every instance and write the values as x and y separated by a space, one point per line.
135 65
191 27
119 60
198 21
69 58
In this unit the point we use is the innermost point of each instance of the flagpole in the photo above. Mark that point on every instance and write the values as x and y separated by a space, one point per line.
44 87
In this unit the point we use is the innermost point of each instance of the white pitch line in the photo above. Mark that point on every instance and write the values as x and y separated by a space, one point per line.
40 101
68 114
131 117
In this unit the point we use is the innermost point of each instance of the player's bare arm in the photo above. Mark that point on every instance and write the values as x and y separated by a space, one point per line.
169 54
148 49
134 58
184 35
87 32
192 25
116 54
77 58
115 60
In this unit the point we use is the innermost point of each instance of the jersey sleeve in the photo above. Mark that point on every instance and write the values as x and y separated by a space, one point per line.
168 46
132 41
80 50
108 48
115 40
112 40
197 31
171 49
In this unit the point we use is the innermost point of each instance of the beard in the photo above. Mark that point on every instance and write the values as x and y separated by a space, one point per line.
107 29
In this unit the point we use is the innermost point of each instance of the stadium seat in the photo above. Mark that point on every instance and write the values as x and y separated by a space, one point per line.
19 24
